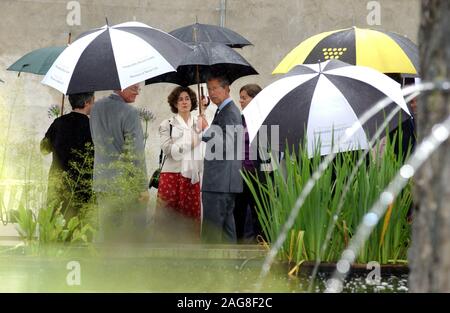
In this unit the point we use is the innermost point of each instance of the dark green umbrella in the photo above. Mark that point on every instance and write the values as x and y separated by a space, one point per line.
37 61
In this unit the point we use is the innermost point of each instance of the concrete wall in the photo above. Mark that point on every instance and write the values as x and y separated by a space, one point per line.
274 27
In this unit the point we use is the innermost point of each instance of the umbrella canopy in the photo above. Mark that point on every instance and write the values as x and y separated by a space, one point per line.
115 57
210 33
37 61
207 57
320 102
386 52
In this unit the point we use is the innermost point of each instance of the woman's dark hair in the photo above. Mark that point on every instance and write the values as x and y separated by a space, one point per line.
251 89
175 94
77 100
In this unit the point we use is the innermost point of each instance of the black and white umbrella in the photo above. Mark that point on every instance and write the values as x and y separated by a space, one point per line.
115 57
324 100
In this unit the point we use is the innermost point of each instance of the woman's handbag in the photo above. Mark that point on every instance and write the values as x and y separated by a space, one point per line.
154 179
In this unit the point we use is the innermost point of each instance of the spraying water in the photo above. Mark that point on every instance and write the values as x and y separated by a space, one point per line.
439 134
318 174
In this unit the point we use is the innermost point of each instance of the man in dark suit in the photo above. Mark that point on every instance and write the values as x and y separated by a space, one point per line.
222 179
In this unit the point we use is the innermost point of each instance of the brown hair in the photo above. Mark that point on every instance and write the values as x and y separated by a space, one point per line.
175 94
251 89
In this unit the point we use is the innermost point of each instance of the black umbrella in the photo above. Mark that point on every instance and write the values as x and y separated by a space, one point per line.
205 58
210 33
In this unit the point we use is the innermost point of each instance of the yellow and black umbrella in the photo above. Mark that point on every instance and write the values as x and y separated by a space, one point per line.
384 51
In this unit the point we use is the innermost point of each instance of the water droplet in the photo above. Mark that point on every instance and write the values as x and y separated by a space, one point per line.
334 285
343 266
427 147
440 132
407 171
349 255
370 219
386 197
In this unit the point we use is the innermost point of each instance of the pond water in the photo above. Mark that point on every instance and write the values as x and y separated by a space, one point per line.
147 271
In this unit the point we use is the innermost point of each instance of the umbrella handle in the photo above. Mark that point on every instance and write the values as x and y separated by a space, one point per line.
203 97
197 76
200 100
63 96
62 105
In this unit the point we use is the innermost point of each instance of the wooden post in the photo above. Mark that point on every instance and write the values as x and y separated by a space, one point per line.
63 96
429 255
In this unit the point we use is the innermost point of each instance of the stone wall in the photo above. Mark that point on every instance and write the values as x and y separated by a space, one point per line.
274 27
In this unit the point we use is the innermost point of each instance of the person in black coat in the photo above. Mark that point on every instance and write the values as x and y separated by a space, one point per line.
69 140
248 227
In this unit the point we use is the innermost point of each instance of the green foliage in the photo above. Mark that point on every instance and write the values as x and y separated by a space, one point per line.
42 223
54 111
26 224
23 182
328 206
50 227
146 116
129 179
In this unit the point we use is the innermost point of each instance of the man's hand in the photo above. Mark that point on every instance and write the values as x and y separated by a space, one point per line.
205 102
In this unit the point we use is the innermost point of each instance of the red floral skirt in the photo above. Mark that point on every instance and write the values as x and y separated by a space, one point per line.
177 193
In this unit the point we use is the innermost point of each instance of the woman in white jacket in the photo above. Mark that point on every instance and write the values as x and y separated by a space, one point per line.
179 182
